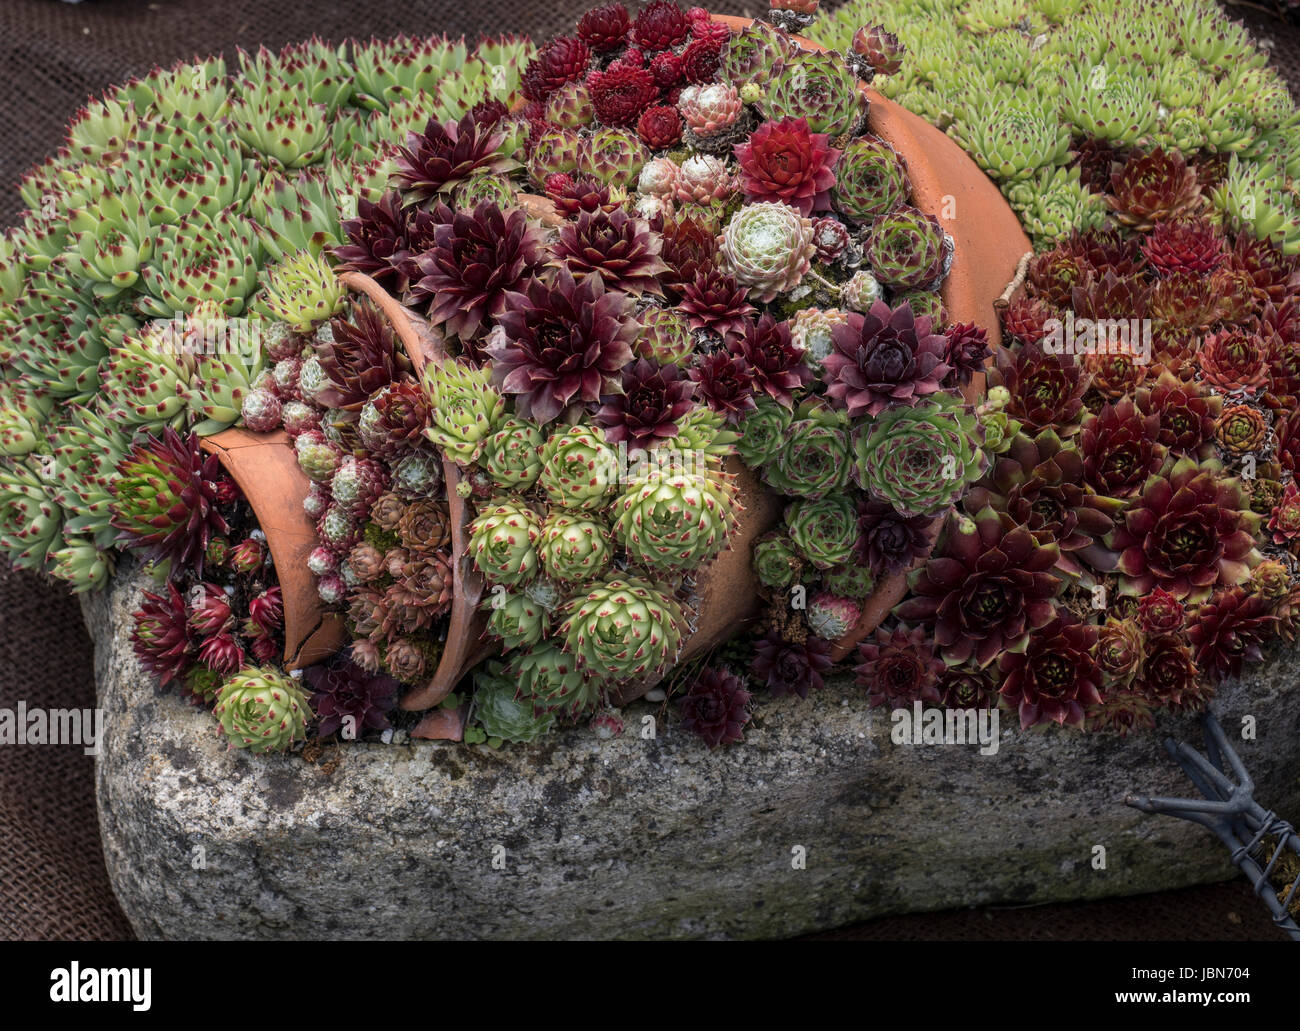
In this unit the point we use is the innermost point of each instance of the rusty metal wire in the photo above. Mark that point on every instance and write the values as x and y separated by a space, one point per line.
1229 810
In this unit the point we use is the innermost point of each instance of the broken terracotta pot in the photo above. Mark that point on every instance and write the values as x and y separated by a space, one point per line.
266 469
988 245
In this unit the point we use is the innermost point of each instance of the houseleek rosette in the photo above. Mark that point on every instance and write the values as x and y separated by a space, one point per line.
622 629
263 710
671 521
920 459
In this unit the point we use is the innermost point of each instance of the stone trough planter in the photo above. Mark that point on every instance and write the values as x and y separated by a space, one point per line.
817 820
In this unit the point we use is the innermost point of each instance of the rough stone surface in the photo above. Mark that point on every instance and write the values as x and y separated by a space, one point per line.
633 837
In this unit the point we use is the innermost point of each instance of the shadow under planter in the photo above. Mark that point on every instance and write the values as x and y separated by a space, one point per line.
817 820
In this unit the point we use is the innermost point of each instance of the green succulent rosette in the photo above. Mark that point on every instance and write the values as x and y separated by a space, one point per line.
870 179
763 433
146 380
302 291
849 581
920 459
776 561
578 469
263 710
199 259
824 530
755 54
30 518
512 454
672 521
516 619
907 249
706 432
466 408
503 541
623 628
551 680
505 713
815 455
1012 143
817 87
574 548
612 155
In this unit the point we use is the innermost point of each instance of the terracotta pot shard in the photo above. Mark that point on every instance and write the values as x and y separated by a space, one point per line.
266 469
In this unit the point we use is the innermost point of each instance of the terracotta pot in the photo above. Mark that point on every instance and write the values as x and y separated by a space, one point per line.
988 245
266 469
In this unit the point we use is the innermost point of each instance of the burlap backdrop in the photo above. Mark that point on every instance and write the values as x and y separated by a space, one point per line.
52 879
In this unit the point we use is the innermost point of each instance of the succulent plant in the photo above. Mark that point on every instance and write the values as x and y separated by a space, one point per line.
769 248
1187 532
574 548
466 409
870 179
622 629
783 161
1056 676
889 542
1045 389
763 433
512 454
561 344
348 698
500 710
777 365
884 358
815 457
817 87
474 259
621 248
360 358
907 249
612 155
516 619
676 519
756 54
920 459
166 500
1152 187
665 337
1121 448
394 420
787 667
715 300
825 530
714 706
776 561
302 292
161 637
503 540
263 710
646 411
985 587
445 154
1012 143
554 682
899 667
578 470
200 259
